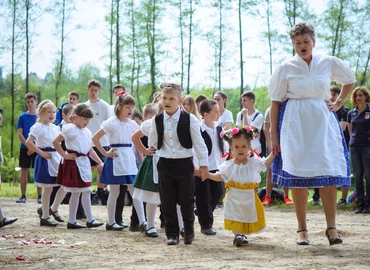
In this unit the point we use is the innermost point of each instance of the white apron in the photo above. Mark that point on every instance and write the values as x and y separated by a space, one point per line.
83 165
125 163
53 163
240 205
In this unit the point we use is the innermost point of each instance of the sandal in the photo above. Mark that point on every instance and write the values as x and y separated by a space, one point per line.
153 232
303 242
334 240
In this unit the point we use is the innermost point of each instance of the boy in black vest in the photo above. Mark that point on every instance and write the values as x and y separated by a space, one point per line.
208 192
174 133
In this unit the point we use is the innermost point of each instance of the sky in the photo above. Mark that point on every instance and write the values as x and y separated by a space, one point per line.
88 46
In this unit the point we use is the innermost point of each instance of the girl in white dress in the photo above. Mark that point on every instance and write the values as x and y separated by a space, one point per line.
120 166
243 210
40 141
74 170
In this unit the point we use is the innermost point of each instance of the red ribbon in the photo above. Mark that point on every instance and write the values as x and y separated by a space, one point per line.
120 93
226 155
256 153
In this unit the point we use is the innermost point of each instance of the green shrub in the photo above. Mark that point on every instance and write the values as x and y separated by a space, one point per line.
9 169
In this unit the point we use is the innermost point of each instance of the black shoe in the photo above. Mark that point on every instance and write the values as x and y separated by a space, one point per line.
47 222
120 223
335 240
7 221
94 224
22 199
39 199
238 240
188 238
316 201
55 216
366 210
75 225
81 216
172 241
359 209
95 200
153 232
134 228
143 227
209 231
113 228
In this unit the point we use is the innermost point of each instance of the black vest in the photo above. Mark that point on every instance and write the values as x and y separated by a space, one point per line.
207 139
183 130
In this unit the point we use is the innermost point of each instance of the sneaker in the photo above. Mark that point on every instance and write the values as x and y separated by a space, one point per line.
39 199
22 199
342 202
366 210
287 201
95 200
359 209
267 200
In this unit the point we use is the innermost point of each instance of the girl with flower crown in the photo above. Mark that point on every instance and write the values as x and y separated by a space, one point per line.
243 210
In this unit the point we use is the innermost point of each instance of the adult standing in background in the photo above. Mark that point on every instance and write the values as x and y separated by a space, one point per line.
305 130
359 146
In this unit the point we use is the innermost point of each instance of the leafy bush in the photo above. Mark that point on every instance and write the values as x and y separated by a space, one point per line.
9 169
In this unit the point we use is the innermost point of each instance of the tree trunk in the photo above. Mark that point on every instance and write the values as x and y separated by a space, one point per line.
12 85
190 42
181 24
133 29
363 79
220 45
117 43
111 51
269 33
27 44
241 50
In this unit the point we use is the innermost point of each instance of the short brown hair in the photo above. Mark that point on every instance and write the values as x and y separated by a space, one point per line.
93 83
137 113
30 95
74 93
364 90
249 95
118 86
83 110
206 106
123 100
200 98
150 108
301 29
67 109
335 89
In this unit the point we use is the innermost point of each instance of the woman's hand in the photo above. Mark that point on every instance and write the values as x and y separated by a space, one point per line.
275 146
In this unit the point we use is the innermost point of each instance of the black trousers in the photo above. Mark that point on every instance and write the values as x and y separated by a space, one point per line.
176 186
207 196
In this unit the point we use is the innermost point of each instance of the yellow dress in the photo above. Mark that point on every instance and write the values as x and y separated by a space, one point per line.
243 210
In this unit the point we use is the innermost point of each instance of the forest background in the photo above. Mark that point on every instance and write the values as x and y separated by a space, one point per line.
205 45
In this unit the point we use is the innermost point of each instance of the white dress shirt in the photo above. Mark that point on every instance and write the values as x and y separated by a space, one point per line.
171 147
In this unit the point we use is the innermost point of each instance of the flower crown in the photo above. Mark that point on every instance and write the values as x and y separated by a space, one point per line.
227 135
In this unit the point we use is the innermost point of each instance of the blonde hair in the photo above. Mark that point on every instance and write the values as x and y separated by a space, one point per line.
150 108
193 106
44 106
171 88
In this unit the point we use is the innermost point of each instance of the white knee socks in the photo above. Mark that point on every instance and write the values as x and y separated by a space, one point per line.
86 204
112 202
73 205
58 199
139 207
150 212
45 200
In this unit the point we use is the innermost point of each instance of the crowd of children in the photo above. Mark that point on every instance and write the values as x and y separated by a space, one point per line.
177 157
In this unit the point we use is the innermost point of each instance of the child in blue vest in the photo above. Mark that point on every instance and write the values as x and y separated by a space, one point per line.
174 133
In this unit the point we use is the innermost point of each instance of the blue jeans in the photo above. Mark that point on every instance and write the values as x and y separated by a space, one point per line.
360 158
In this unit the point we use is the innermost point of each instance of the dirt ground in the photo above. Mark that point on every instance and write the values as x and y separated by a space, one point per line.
58 248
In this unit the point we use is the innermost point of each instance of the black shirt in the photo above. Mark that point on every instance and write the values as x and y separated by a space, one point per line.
360 127
342 115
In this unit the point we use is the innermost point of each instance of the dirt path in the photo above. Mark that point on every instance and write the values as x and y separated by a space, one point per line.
99 249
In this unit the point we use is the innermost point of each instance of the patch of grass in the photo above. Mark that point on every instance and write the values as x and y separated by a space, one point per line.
14 190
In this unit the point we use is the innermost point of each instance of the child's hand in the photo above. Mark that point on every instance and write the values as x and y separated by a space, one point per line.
70 156
30 152
45 155
150 151
196 171
111 153
203 172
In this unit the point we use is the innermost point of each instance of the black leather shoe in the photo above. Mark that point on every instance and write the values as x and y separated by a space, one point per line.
188 237
125 226
334 240
47 222
94 224
75 225
80 216
113 228
173 241
55 216
7 221
153 232
209 231
134 228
